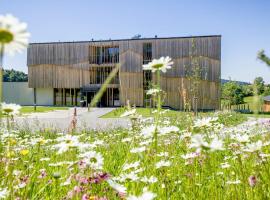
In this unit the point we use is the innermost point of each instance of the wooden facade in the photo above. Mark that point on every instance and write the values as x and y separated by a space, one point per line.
73 65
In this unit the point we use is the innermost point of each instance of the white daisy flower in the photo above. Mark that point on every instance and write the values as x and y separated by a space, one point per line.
119 188
190 155
13 34
138 150
153 91
131 165
151 179
216 144
197 141
252 147
128 113
161 64
163 163
10 108
3 193
93 159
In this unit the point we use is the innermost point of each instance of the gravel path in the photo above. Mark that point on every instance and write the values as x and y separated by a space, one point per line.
60 119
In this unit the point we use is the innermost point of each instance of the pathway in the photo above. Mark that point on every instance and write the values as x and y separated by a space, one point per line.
60 119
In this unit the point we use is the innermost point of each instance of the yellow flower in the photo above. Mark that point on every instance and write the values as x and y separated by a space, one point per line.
42 141
24 152
12 142
10 154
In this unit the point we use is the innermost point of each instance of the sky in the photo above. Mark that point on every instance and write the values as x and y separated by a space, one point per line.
243 24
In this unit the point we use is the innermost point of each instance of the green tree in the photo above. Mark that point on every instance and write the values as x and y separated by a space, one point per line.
247 90
232 93
258 85
266 90
14 76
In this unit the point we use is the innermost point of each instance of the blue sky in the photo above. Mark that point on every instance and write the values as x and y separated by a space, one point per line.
243 24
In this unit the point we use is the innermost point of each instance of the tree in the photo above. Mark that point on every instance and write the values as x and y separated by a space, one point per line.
258 85
193 72
232 93
14 76
247 90
266 90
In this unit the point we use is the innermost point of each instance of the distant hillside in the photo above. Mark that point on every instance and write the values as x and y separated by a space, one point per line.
239 82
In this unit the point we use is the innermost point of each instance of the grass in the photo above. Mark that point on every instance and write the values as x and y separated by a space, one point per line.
145 112
172 114
36 166
254 102
30 109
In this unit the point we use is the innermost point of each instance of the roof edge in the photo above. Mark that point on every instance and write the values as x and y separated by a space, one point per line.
154 38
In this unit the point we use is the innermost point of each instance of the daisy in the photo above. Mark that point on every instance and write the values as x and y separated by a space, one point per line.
119 188
153 91
163 163
13 34
151 179
93 159
205 122
131 165
3 193
190 155
129 113
197 141
161 64
168 129
148 131
252 147
138 150
10 108
216 144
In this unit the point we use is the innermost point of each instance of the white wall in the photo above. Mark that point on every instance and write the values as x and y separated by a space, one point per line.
20 93
44 96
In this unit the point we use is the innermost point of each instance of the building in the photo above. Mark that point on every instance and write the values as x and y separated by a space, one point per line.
71 71
266 104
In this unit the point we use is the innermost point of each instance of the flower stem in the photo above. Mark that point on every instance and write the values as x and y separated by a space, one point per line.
1 76
158 110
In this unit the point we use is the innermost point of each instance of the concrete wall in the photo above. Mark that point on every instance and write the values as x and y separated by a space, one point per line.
20 93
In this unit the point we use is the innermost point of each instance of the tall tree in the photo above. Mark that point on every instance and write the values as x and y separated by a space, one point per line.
258 85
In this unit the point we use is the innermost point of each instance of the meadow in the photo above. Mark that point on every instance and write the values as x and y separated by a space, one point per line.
194 158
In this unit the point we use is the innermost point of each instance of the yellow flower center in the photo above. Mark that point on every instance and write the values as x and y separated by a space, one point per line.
69 142
157 66
6 36
7 110
93 160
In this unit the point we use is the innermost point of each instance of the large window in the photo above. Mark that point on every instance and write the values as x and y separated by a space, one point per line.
104 55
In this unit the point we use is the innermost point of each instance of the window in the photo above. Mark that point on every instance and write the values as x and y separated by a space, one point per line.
101 55
147 52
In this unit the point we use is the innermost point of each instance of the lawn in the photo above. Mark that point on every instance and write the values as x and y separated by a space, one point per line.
30 109
145 112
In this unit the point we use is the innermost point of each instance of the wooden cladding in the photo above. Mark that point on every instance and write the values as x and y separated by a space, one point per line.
76 64
57 53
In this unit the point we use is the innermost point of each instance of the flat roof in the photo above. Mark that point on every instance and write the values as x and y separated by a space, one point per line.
112 40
